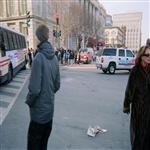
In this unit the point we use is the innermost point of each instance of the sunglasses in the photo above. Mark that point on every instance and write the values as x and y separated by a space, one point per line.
147 55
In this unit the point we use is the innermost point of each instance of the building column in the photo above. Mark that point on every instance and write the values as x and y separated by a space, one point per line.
16 8
4 8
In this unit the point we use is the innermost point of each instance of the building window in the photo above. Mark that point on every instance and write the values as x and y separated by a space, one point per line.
12 25
23 28
113 33
106 33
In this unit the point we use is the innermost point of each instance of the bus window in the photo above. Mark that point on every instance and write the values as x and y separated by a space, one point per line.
2 50
14 41
18 44
10 41
20 41
23 42
5 40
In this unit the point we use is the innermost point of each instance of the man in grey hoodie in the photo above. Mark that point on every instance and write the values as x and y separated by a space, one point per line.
44 83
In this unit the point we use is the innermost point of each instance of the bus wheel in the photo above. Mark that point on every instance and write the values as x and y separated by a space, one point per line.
10 74
24 67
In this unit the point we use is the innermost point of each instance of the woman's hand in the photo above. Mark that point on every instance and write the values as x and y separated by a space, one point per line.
126 110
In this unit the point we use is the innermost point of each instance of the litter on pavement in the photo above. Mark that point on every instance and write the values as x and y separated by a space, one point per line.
93 131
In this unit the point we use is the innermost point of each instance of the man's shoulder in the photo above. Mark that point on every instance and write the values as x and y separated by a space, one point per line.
38 55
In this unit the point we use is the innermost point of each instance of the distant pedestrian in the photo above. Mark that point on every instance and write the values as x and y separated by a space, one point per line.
71 57
62 55
30 57
138 96
75 57
148 42
44 83
78 57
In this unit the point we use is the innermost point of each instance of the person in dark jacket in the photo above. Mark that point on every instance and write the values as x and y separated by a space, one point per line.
44 83
137 96
30 57
148 42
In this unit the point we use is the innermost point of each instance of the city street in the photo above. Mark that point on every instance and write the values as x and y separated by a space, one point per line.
87 98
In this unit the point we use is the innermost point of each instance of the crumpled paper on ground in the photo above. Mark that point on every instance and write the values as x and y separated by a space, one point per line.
93 131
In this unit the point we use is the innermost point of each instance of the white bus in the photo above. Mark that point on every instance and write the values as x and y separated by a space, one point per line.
13 53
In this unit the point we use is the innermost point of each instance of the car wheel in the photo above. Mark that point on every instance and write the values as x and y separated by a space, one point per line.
104 70
112 68
10 74
87 61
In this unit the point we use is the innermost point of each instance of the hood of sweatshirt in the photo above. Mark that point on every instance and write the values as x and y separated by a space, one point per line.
46 49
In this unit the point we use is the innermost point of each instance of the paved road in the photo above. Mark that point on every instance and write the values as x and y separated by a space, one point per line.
87 97
10 92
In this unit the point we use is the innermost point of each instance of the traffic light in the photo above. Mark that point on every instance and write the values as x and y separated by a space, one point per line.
57 20
54 32
60 33
28 18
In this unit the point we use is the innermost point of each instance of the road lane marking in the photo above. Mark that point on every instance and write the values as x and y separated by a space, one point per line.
4 112
13 86
6 93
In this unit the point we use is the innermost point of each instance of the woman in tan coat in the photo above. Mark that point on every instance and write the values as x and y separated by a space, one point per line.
137 100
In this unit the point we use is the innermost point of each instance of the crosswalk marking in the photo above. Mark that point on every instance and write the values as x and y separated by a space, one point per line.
7 93
10 92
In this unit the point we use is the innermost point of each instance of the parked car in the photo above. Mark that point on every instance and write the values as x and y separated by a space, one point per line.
112 59
86 55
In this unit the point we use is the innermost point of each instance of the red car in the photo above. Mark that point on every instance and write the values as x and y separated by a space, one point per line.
86 55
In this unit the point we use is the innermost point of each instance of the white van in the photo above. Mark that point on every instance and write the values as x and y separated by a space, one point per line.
112 59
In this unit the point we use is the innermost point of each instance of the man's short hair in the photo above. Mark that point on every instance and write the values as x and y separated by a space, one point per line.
42 33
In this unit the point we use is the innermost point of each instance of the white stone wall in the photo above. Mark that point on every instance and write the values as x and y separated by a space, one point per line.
132 21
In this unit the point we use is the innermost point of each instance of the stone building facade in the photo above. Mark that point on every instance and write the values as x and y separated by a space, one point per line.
114 37
132 22
13 13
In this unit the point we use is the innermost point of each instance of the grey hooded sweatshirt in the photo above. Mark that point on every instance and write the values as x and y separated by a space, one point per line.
44 83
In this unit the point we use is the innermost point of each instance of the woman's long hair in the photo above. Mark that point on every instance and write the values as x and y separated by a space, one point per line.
140 53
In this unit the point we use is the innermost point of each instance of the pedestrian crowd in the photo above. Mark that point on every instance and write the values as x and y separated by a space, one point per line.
64 56
67 56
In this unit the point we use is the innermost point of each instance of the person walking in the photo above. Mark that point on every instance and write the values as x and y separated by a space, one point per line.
148 42
44 83
137 96
30 57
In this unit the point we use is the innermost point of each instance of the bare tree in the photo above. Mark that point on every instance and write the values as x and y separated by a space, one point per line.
75 19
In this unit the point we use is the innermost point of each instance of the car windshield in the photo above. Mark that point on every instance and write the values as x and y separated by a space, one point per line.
109 52
83 51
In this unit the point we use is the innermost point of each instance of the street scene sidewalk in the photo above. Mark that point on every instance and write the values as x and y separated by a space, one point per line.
81 102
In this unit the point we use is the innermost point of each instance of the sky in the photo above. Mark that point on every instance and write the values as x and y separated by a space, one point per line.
125 6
